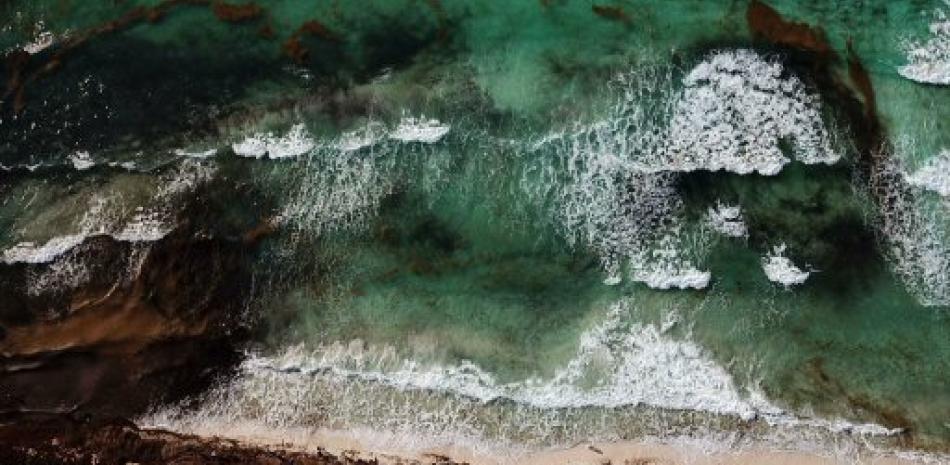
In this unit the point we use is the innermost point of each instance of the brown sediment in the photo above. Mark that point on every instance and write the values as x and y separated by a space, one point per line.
294 46
890 418
266 31
266 228
295 49
120 321
163 332
613 13
862 81
436 6
317 29
61 439
236 13
768 24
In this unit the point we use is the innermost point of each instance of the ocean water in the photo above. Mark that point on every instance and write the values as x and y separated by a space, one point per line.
517 224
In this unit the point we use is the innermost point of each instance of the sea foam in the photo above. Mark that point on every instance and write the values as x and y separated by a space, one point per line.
928 61
780 269
727 220
617 363
735 108
103 216
915 228
934 175
611 181
413 129
82 160
295 142
620 369
42 39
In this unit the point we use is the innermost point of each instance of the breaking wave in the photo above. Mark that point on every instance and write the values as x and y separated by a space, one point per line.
112 216
612 181
916 229
928 61
934 175
618 365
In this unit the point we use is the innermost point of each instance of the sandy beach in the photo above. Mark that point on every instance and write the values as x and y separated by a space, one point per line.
392 450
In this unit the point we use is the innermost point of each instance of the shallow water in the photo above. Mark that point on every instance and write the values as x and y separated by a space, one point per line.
528 223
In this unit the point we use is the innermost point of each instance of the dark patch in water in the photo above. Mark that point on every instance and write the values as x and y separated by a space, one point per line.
810 208
48 62
432 233
126 86
294 45
611 12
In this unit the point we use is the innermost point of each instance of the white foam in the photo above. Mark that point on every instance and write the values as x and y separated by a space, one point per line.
640 365
145 226
196 154
663 264
735 109
142 228
929 61
366 136
733 112
727 220
82 160
934 174
42 39
297 141
64 274
104 216
413 129
611 182
355 387
780 269
29 252
915 228
690 278
598 202
341 185
41 42
340 190
618 363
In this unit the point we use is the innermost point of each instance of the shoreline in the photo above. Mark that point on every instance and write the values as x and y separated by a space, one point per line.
391 449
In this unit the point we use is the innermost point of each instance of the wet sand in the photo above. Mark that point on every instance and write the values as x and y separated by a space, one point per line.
393 449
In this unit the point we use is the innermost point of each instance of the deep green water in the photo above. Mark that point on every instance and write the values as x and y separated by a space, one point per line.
517 260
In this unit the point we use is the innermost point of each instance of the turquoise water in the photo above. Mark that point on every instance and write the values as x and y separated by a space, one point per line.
508 209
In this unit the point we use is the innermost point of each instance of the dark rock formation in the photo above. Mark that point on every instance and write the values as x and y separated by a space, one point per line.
60 439
119 344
